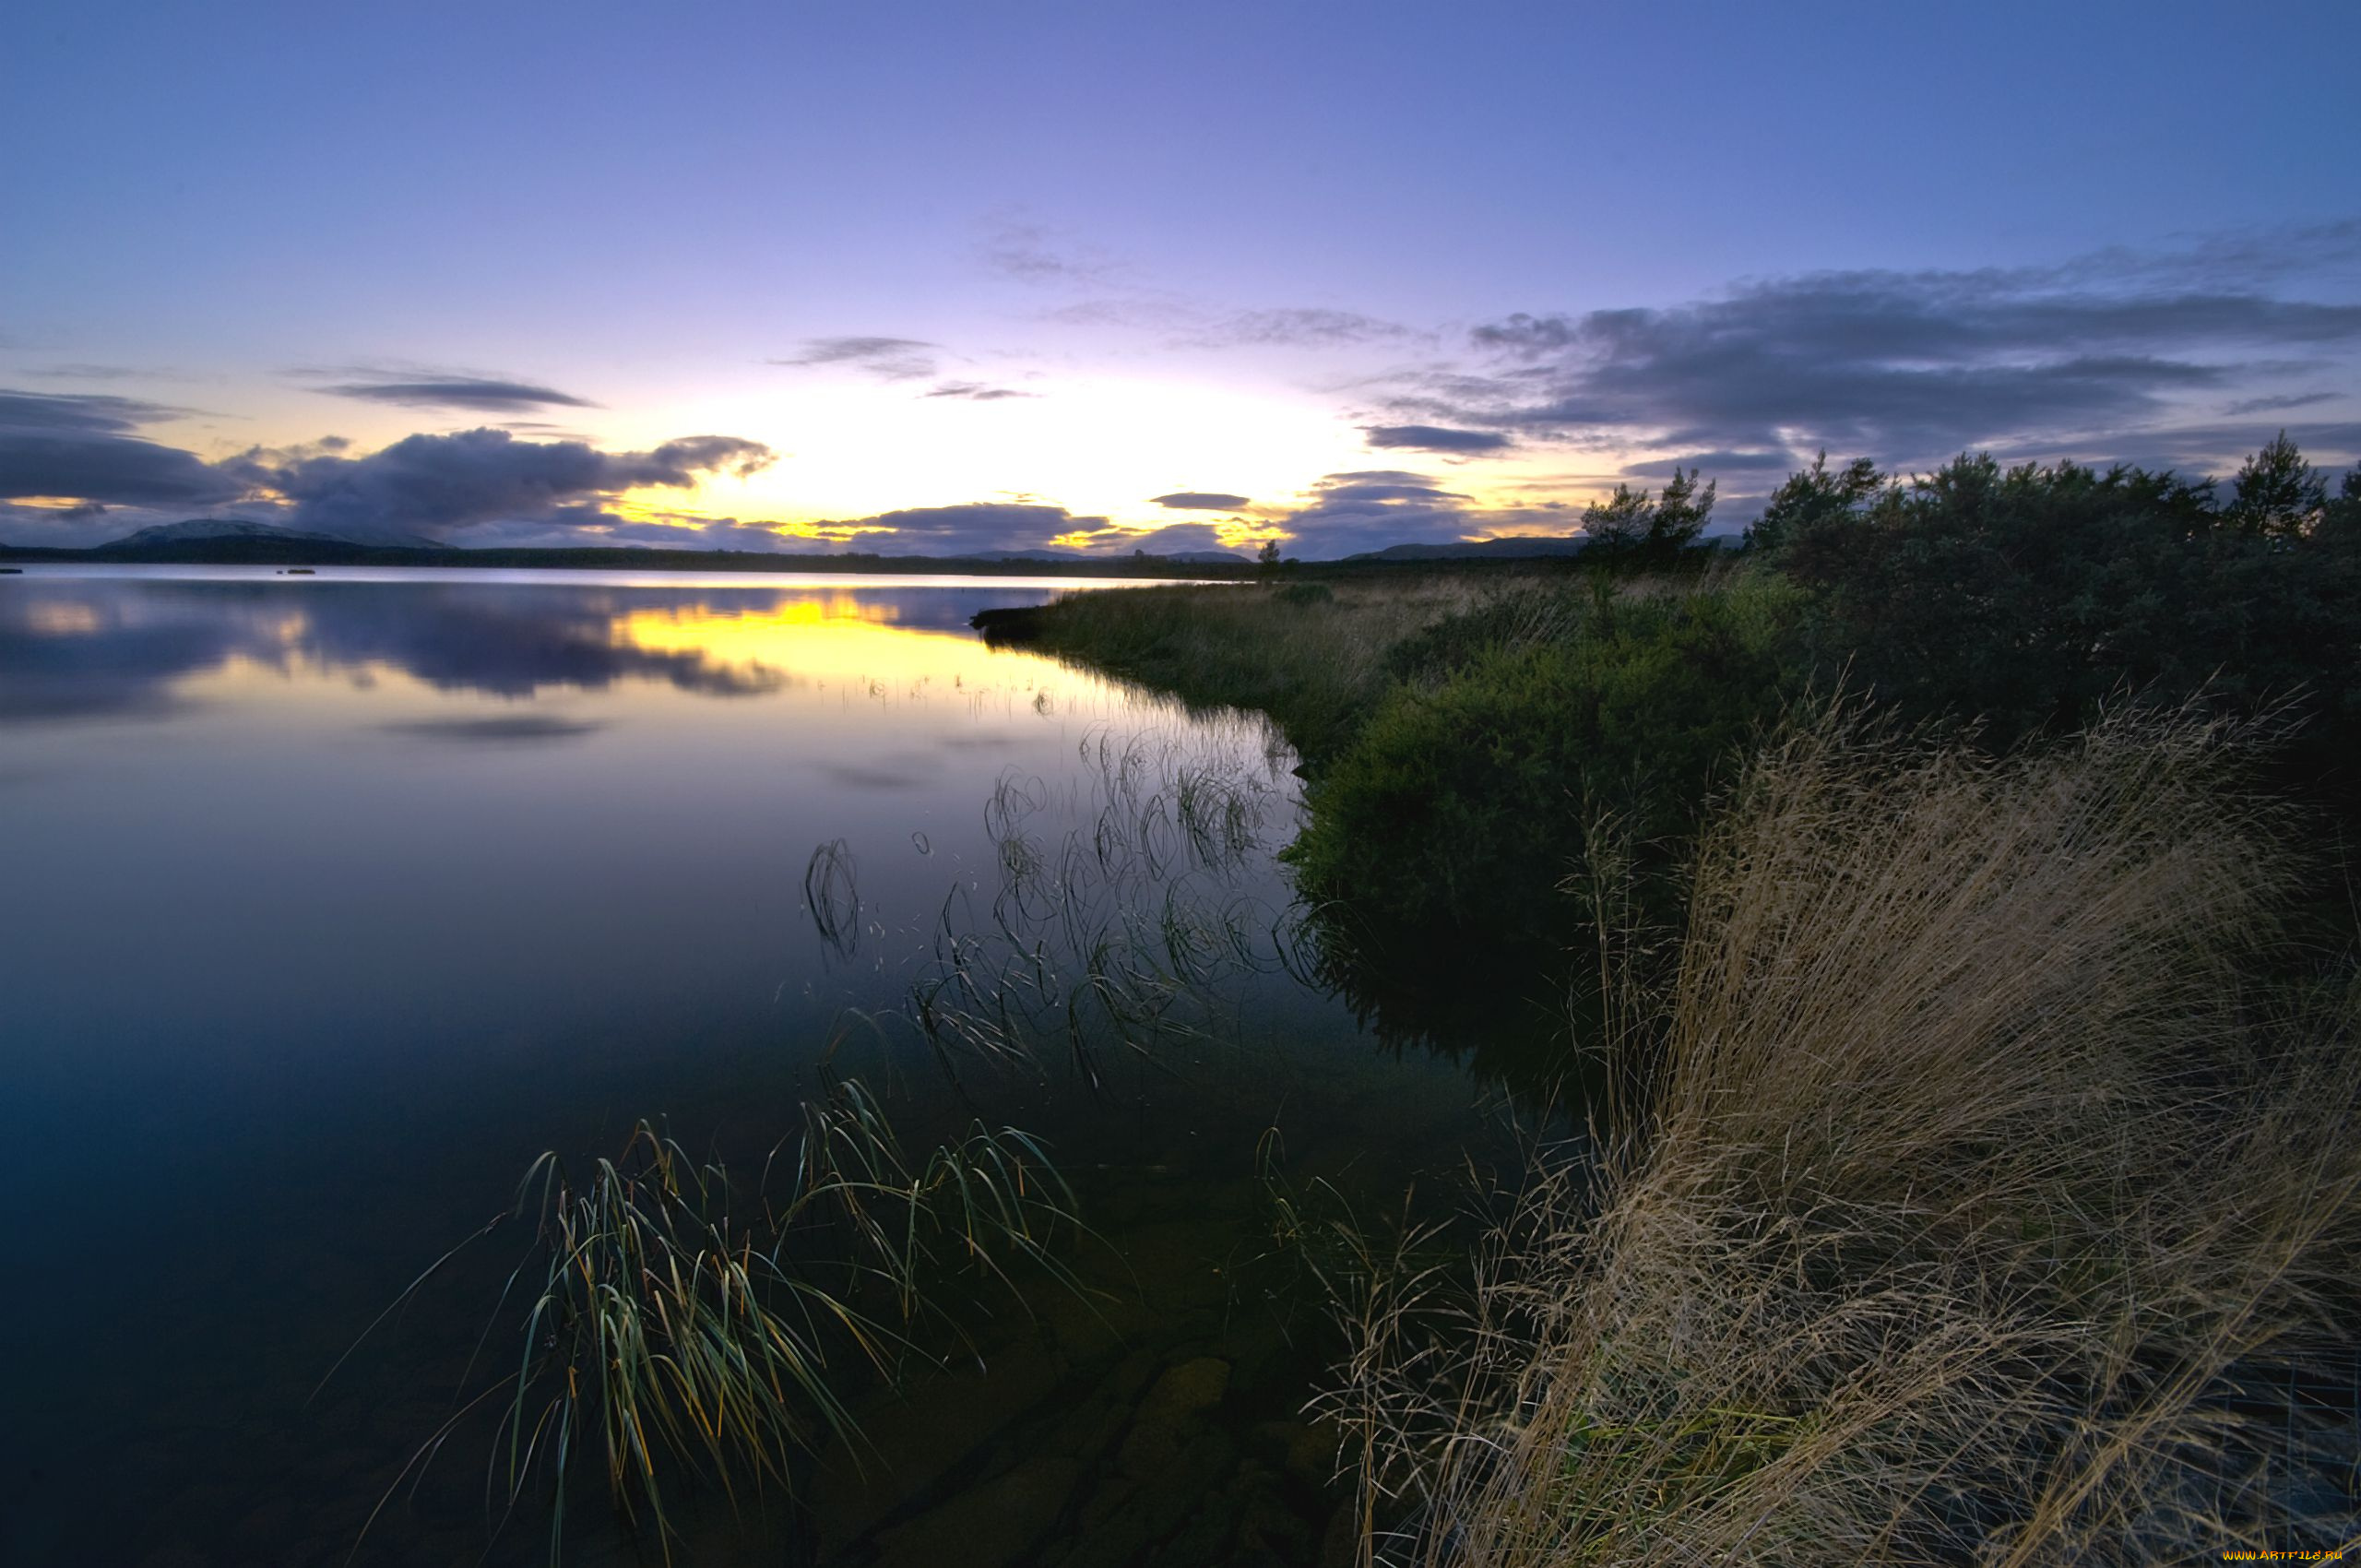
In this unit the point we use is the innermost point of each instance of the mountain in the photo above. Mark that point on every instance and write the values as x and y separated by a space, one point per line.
163 535
1480 550
210 527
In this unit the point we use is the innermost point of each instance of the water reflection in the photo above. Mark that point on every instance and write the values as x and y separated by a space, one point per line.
79 648
339 901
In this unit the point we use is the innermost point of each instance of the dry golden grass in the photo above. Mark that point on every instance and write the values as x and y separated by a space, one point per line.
1977 1210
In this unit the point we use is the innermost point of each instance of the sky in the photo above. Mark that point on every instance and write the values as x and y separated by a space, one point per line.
950 278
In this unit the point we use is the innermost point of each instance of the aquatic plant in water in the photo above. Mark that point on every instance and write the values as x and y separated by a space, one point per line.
1127 926
662 1335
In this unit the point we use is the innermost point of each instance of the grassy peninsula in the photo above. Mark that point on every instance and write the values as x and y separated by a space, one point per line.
1946 903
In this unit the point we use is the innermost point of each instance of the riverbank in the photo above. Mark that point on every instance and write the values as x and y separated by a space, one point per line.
1982 1185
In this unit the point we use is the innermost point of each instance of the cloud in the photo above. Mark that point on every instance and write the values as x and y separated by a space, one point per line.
435 485
1172 539
1710 463
1192 324
477 393
889 359
1371 509
1434 438
83 413
1907 367
1199 501
975 391
1030 253
1300 328
79 446
977 526
2284 400
101 372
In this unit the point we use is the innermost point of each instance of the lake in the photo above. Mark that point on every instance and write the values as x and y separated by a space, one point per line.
332 901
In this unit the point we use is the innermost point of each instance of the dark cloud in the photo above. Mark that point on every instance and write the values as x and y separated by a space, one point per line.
2284 400
1199 501
434 485
1904 366
1779 463
79 446
1371 509
78 413
975 391
1434 438
976 528
477 393
890 359
2214 448
1172 539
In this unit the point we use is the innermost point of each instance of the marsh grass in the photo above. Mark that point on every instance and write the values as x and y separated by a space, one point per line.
1313 661
832 895
663 1338
1976 1205
1122 914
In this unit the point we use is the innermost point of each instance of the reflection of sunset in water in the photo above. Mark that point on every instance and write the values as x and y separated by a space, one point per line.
838 636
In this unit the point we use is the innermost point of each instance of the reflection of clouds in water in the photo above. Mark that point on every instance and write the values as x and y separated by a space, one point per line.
499 728
88 648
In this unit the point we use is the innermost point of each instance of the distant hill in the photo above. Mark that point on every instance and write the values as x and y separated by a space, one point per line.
212 528
1052 557
1480 550
229 542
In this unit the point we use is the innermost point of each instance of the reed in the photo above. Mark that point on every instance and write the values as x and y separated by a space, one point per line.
665 1337
1977 1206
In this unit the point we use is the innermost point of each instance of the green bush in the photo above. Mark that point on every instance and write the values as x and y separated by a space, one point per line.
2025 598
1449 826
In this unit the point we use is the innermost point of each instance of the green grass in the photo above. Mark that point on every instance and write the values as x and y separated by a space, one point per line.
1465 739
1309 655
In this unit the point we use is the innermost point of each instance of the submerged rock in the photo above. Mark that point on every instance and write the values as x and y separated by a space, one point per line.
905 1447
1173 1410
988 1526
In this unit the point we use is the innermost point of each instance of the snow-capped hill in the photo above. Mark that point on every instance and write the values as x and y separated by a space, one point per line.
215 528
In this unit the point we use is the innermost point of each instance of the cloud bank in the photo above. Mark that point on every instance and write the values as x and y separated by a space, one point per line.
2105 355
439 485
80 446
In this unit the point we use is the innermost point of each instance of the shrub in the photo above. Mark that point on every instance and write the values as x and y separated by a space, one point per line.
1448 825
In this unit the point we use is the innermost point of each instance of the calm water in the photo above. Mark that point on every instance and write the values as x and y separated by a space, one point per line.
329 902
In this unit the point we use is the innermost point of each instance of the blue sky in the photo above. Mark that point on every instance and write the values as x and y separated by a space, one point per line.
929 278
